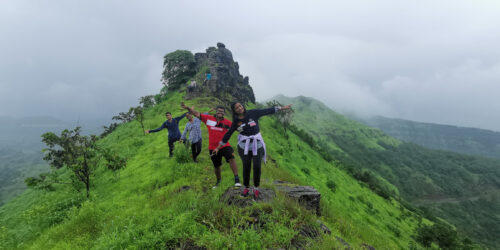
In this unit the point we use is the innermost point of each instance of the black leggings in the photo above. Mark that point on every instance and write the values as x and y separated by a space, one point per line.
247 165
196 149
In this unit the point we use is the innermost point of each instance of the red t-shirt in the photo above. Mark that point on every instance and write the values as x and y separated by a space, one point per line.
216 130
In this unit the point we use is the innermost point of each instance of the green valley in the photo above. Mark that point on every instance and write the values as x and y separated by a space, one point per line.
463 189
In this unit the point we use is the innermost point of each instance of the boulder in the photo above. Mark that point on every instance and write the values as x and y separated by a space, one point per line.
368 247
323 227
232 196
307 196
346 245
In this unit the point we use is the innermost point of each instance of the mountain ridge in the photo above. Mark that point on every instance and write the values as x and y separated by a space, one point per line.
466 140
419 174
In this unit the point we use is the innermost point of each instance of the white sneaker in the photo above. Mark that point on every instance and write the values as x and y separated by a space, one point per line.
237 184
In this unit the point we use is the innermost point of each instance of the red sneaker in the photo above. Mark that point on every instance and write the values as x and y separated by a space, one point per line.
256 193
245 192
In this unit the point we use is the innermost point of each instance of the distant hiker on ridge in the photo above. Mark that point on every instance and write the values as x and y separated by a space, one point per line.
191 86
251 146
208 76
193 127
217 126
172 125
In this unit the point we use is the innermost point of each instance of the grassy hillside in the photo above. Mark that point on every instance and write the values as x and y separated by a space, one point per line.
461 188
143 206
445 137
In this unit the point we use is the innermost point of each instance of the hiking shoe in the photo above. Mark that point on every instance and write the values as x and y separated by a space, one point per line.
256 193
216 185
245 192
237 184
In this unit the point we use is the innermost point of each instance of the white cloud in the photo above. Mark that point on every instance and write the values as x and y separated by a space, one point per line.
427 61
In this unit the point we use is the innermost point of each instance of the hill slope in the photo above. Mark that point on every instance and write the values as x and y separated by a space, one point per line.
460 188
144 206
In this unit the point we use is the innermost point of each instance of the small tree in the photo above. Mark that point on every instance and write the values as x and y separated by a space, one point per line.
125 117
139 115
74 151
440 233
113 161
178 67
147 101
108 130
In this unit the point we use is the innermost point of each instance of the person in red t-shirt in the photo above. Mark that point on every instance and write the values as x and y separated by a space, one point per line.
217 126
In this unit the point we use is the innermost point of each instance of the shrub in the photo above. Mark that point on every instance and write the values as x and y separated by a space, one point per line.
440 233
331 185
306 171
182 153
394 229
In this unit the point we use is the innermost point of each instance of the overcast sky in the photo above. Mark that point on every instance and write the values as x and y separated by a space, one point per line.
431 61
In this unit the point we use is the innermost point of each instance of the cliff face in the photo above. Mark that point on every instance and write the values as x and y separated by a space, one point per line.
225 81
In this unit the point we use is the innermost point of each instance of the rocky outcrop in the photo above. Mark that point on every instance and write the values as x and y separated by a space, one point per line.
226 82
232 196
307 196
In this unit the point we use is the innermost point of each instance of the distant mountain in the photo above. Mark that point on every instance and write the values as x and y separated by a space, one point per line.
446 137
463 189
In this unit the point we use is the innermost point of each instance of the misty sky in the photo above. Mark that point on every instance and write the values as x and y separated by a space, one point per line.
430 61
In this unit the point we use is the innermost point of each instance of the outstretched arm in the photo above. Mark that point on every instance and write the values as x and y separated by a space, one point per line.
180 117
156 130
262 112
191 110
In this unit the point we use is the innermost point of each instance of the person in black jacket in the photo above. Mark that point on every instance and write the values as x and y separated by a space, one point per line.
251 146
172 125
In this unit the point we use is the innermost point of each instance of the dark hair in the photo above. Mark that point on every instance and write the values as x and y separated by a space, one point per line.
168 113
220 107
234 111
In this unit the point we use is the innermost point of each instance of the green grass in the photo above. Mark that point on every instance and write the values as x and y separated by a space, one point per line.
417 174
143 207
